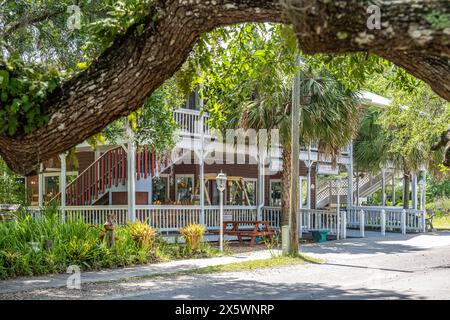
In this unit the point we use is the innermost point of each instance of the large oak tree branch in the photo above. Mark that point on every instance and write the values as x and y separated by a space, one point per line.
414 34
137 64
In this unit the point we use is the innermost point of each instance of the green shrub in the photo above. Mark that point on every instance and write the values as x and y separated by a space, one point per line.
23 250
193 235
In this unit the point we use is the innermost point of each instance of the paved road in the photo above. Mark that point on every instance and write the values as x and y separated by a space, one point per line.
398 267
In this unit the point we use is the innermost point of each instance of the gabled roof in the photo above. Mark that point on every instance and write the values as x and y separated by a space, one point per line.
374 99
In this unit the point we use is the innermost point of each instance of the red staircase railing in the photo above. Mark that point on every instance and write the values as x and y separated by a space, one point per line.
91 184
110 170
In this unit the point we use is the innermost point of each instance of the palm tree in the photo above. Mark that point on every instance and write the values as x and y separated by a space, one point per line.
375 146
329 117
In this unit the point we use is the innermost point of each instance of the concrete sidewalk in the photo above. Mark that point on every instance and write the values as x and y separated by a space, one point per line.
60 280
401 253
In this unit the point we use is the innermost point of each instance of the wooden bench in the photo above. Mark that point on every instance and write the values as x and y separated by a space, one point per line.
253 229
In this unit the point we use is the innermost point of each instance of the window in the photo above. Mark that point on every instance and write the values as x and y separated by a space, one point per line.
250 186
303 192
160 190
184 187
275 193
51 183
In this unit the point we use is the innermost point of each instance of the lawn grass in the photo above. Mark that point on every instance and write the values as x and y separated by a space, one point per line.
276 261
442 222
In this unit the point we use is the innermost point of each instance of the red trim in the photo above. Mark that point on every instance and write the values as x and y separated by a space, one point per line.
82 192
109 169
95 180
124 171
153 165
89 186
145 163
138 156
116 166
76 192
102 175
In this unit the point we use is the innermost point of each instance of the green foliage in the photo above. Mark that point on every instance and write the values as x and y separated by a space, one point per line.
438 20
153 124
405 131
437 188
75 242
23 90
371 146
439 207
193 235
120 15
35 55
12 186
248 73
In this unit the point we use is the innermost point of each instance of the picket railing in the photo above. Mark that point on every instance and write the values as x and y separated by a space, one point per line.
310 219
190 121
171 218
387 218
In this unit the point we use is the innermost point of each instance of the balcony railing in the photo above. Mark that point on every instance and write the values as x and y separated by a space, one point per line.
192 121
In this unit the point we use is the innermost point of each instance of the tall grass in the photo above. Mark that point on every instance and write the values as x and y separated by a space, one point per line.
23 250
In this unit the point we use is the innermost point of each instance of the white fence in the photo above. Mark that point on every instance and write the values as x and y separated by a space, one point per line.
393 219
172 218
310 219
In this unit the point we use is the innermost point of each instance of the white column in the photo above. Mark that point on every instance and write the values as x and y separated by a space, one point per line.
350 177
357 188
393 188
150 192
202 187
383 222
344 224
308 185
260 186
131 173
41 186
338 209
383 187
403 221
62 184
414 190
361 223
202 163
308 178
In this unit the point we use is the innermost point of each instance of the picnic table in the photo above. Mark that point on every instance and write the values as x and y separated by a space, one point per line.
245 228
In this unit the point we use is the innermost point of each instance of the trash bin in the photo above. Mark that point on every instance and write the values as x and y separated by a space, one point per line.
320 235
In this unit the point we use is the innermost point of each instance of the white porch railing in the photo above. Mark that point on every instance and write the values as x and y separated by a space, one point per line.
311 219
96 214
413 220
173 217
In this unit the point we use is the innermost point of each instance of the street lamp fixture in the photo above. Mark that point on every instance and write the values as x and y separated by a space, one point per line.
221 182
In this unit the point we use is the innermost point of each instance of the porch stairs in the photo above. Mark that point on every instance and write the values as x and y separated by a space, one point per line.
327 190
109 172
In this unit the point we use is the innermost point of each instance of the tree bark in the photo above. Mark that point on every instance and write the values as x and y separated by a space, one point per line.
410 35
118 82
444 144
406 180
285 186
